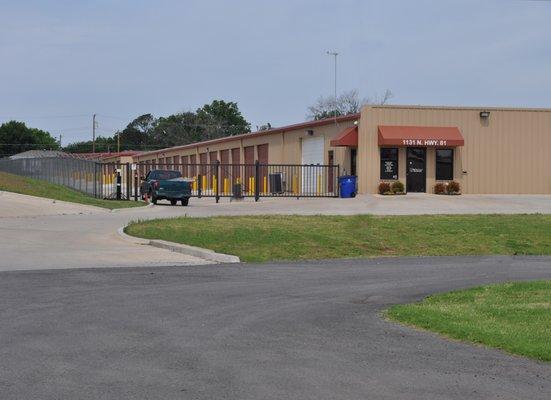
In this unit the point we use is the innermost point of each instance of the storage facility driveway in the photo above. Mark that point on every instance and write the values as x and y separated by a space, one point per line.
271 331
39 234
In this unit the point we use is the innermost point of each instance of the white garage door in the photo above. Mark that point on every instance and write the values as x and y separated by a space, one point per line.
312 154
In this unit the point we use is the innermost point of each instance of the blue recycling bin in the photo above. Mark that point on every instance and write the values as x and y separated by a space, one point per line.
347 186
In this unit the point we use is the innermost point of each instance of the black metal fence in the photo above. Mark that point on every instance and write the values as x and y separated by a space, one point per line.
254 180
123 180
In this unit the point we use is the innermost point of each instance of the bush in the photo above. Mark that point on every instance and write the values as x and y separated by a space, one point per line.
440 188
384 188
397 187
453 187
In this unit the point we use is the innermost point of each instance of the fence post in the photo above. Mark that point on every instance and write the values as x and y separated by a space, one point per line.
256 180
119 191
128 182
337 182
199 185
136 174
95 181
217 174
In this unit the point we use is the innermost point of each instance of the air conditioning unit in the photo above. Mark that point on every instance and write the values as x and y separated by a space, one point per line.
278 183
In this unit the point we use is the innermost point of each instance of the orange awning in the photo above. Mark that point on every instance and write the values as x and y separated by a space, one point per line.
348 138
424 136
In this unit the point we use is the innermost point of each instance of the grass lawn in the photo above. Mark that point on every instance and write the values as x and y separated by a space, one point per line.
34 187
265 238
515 317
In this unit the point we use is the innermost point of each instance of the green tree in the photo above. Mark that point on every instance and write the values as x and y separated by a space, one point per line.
214 120
138 134
16 137
220 119
103 145
177 129
264 127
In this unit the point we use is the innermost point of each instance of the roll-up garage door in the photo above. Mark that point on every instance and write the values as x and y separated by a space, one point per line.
312 154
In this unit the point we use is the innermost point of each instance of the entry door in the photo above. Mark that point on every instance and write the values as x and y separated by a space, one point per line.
312 154
416 174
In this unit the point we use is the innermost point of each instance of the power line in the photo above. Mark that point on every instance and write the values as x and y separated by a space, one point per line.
44 116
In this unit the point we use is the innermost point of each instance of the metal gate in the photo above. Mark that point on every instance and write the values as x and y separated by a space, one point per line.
252 180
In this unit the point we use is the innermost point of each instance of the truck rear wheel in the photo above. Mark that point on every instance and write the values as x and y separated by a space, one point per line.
173 202
185 201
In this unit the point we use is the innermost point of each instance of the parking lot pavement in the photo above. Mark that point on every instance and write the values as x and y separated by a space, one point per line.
310 330
20 205
40 234
411 204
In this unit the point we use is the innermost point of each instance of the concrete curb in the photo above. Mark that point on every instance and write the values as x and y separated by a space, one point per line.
198 252
116 210
133 239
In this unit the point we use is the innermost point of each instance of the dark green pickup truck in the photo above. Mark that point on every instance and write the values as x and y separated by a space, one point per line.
164 184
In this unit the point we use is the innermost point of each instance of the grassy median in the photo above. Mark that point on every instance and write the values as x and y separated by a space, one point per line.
34 187
266 238
515 317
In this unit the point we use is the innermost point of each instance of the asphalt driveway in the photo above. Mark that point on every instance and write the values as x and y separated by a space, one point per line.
275 331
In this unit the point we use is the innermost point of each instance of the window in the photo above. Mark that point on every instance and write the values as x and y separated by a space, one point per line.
164 175
444 164
389 163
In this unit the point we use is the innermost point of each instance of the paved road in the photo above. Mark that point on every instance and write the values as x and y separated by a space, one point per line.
278 331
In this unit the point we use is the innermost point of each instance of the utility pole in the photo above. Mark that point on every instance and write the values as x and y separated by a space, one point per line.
118 142
94 133
59 140
335 54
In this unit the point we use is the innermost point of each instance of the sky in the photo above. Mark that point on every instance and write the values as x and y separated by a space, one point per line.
62 61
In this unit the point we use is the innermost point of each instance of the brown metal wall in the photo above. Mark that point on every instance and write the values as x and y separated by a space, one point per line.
507 154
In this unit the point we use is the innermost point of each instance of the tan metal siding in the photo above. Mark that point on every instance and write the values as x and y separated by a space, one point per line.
284 147
509 154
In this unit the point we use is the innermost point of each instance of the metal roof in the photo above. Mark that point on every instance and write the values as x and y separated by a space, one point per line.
40 154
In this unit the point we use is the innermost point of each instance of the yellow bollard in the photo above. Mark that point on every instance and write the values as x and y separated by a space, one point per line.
265 185
295 184
319 184
204 183
226 186
214 184
194 183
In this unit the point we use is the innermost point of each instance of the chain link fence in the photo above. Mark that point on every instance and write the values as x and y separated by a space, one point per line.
81 175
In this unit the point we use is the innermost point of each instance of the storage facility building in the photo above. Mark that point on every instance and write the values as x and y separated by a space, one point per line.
487 150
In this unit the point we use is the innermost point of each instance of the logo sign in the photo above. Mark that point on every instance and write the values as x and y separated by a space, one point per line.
390 168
